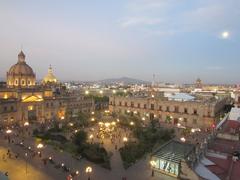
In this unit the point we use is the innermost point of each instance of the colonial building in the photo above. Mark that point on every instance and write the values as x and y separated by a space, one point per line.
21 99
201 113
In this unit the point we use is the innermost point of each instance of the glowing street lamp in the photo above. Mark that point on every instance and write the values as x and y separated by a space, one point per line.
101 92
91 136
26 124
118 120
92 119
86 92
183 139
132 123
143 118
9 131
93 113
125 139
114 91
125 91
39 146
88 171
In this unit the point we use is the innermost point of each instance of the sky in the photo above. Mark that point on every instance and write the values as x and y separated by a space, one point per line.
177 40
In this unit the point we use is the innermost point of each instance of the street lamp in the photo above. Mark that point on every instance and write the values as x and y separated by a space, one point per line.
86 92
131 123
125 139
26 154
26 124
183 139
9 131
88 171
153 164
39 146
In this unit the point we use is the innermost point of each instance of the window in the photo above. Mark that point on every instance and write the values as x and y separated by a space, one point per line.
145 106
12 108
125 103
209 114
152 106
167 109
185 120
47 104
185 110
29 82
5 108
23 82
16 82
120 103
195 112
138 105
176 109
160 108
132 104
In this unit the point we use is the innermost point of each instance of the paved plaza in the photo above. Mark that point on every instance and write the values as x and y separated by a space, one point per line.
37 169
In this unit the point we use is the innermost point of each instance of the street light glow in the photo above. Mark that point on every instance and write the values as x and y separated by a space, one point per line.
26 124
125 139
183 139
9 131
39 146
89 169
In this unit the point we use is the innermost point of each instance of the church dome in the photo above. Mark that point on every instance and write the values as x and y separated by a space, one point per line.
21 68
21 74
50 78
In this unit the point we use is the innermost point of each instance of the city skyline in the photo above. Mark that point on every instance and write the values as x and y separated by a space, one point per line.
177 41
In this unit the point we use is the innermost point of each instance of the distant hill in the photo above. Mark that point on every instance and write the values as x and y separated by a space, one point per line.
2 79
123 80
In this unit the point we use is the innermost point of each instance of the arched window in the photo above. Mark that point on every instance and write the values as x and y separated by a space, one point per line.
23 82
16 82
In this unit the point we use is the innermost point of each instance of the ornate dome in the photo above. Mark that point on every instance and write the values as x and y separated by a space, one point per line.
21 74
50 78
21 68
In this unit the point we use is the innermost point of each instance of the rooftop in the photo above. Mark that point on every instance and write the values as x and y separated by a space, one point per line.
174 151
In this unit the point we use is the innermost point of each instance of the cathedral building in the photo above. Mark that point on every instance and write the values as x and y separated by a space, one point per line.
22 99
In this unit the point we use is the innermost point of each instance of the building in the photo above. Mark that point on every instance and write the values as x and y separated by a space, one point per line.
21 99
222 150
175 159
189 112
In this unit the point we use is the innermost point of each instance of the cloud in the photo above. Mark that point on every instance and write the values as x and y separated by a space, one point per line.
180 16
139 21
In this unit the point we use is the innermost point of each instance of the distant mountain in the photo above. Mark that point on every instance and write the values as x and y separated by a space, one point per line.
123 80
2 79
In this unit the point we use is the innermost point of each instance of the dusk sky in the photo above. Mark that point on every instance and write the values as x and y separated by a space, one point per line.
178 40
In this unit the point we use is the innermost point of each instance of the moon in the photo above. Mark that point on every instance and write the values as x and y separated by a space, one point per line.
225 34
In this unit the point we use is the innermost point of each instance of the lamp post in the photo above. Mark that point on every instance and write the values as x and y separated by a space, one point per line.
125 139
26 124
39 146
153 164
88 171
9 131
26 155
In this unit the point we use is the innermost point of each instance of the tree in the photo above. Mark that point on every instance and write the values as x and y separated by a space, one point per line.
80 138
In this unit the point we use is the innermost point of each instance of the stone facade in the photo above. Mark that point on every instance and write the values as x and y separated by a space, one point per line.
202 114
